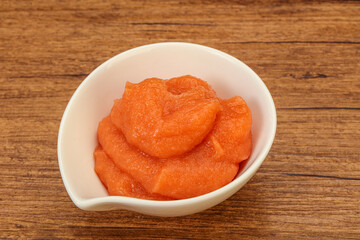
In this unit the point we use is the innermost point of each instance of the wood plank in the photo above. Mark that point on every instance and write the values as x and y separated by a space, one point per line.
306 52
321 72
279 198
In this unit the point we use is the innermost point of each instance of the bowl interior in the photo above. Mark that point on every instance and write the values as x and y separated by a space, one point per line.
93 100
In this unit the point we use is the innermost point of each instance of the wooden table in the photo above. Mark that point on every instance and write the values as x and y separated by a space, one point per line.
306 52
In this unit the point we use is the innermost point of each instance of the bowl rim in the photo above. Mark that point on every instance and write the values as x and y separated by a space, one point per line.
243 178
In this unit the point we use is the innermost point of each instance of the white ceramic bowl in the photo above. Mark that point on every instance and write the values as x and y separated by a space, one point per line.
93 100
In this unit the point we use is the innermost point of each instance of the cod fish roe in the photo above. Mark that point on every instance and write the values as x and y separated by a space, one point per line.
163 124
172 139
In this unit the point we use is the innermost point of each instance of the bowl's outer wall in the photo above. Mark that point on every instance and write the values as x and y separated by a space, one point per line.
94 98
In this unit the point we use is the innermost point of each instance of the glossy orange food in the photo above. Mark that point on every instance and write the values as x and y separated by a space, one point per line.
163 124
213 145
118 182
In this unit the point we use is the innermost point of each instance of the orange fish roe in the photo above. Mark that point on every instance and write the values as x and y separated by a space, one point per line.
172 139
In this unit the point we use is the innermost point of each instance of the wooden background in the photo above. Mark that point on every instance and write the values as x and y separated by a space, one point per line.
306 52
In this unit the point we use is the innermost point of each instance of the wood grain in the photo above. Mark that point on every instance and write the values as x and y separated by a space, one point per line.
307 53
